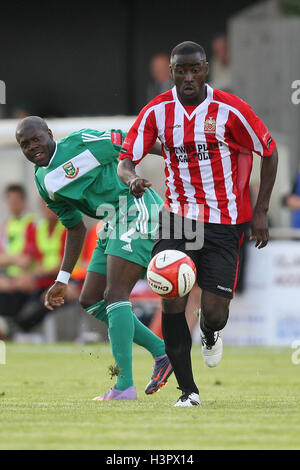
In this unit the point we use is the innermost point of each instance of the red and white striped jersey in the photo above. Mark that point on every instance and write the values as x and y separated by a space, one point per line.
207 152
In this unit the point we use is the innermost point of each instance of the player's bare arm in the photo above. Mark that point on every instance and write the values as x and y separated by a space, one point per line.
127 174
156 149
259 223
74 242
292 202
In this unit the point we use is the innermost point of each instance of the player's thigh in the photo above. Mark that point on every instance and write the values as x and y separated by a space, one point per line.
132 249
177 305
95 280
129 246
135 235
214 306
122 275
218 264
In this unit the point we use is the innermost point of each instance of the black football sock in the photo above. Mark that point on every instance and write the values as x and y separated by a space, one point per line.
209 333
178 343
209 330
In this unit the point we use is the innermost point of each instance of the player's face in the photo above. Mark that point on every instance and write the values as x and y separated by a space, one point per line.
15 202
189 72
36 144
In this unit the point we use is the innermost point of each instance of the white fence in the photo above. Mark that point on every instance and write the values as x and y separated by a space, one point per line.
268 311
15 168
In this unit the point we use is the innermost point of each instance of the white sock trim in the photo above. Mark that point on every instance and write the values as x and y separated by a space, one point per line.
115 305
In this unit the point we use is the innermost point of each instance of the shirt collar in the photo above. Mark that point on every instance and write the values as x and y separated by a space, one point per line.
209 97
50 161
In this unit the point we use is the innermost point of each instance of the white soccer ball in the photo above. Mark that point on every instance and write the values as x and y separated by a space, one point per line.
171 274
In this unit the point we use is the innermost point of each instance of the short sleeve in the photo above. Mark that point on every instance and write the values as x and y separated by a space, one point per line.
105 146
250 132
141 137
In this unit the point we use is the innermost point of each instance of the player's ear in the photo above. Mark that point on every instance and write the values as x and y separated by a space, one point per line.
206 68
50 133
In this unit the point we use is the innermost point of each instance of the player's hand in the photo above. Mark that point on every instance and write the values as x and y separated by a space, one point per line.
259 228
138 186
55 295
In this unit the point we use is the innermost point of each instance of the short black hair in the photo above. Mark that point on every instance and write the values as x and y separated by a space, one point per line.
30 121
15 188
188 47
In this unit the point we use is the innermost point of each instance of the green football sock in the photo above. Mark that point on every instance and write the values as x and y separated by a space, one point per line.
146 338
98 311
121 331
142 335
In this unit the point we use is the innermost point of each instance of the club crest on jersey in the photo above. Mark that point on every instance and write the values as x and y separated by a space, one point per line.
70 170
210 125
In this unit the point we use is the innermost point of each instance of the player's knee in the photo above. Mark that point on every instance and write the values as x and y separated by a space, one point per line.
215 317
87 301
114 294
171 306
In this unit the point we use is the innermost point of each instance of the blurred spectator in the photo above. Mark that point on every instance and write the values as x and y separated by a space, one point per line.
90 243
21 112
16 233
50 236
220 70
292 201
30 258
49 245
17 242
160 76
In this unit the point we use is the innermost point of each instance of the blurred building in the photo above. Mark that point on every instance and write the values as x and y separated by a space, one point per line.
265 44
96 61
160 80
219 64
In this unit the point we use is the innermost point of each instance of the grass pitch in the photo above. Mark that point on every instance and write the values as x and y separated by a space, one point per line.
250 401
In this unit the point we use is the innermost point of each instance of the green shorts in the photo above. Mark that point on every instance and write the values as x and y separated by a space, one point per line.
130 234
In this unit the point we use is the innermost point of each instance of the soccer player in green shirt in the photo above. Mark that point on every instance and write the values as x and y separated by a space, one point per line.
78 174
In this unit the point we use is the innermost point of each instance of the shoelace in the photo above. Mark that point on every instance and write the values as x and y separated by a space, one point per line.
210 342
185 395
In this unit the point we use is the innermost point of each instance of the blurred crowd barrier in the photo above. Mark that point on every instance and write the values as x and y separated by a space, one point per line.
268 310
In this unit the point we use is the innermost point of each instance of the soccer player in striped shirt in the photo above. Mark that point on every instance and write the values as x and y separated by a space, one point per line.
78 174
207 138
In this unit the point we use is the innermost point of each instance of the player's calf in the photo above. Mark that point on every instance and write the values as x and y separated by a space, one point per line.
212 345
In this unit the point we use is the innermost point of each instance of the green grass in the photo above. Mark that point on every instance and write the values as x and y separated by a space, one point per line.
250 401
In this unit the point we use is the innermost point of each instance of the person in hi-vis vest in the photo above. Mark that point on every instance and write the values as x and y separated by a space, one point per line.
50 237
17 241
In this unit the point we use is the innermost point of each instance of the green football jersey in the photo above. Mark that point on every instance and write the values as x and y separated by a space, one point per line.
82 175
